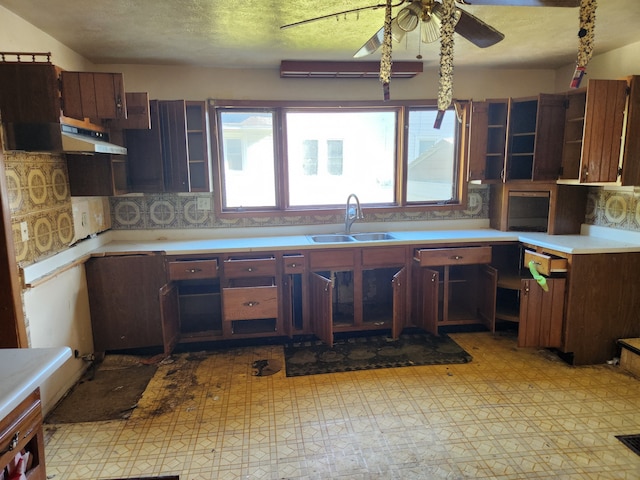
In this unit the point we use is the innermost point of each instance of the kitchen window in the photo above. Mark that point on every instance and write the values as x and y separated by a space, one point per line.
291 157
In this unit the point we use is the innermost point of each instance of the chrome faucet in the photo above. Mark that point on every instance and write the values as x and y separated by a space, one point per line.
352 214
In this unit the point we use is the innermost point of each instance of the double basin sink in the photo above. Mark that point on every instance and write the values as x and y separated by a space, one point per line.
353 237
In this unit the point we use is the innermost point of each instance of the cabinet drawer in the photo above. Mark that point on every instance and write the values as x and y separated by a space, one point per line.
246 303
374 257
250 267
332 258
434 257
188 269
545 264
19 427
293 264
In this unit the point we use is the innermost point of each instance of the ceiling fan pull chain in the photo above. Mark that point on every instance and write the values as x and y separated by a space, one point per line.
585 42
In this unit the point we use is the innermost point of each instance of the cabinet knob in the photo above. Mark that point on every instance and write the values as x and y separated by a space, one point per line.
249 269
250 304
193 270
456 257
293 265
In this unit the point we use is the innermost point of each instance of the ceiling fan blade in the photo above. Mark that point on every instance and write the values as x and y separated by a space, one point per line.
336 14
476 31
372 44
523 3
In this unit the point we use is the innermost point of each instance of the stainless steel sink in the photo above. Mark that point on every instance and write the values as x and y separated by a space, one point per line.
367 237
331 238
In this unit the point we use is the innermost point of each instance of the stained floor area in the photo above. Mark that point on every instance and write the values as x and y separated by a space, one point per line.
509 414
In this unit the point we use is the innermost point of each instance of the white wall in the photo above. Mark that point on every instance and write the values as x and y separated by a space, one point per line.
194 83
617 63
57 313
17 35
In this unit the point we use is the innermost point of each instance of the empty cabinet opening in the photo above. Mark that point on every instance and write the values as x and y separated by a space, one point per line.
528 211
343 297
200 307
377 296
295 286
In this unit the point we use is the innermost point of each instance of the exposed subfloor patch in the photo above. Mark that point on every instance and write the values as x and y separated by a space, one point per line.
108 391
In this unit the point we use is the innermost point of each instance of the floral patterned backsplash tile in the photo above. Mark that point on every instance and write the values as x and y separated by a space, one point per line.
179 211
613 209
38 195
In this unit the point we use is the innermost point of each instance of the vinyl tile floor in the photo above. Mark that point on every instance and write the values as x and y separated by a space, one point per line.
509 414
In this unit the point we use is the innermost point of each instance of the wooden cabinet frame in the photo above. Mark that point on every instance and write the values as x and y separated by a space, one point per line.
357 262
436 287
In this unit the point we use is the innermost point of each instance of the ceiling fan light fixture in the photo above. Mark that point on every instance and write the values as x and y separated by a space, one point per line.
397 33
409 17
430 29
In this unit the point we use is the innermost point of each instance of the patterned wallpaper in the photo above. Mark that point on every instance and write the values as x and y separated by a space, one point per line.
613 208
173 211
38 194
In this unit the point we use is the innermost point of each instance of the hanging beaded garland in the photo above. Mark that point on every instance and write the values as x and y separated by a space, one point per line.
585 42
447 29
385 61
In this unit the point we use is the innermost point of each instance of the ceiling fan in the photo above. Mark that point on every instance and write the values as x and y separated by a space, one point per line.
428 15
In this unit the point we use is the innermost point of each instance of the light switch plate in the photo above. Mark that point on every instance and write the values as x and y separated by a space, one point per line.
204 203
24 231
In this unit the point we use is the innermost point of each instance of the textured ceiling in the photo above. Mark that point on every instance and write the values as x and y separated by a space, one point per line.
239 34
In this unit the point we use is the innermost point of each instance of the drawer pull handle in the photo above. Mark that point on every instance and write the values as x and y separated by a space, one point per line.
250 269
12 444
456 257
293 265
193 270
250 304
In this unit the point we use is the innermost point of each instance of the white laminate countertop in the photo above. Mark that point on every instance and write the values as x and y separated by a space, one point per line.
22 370
591 240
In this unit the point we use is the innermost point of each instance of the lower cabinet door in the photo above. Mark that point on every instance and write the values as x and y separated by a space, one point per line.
399 285
321 311
541 313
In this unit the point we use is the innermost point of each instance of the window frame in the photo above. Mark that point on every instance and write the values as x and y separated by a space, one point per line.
279 108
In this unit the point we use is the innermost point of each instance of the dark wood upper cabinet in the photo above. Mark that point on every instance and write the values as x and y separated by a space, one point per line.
138 115
29 93
173 156
600 144
631 149
173 131
93 95
144 152
536 127
40 92
518 139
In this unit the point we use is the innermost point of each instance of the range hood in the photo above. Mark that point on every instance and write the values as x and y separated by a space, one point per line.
78 140
56 137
